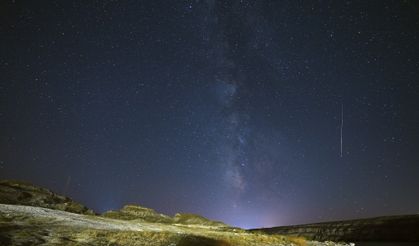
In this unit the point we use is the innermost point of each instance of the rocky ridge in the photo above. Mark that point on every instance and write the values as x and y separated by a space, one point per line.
380 229
23 193
136 212
30 215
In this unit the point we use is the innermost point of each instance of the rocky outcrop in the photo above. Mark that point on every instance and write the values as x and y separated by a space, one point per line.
380 229
193 219
135 212
23 193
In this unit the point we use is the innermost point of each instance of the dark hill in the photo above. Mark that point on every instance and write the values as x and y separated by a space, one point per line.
380 229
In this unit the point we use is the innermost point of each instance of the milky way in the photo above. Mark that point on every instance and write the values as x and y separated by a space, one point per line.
229 109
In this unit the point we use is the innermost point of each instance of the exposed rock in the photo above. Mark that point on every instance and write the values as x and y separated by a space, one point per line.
135 212
23 193
381 229
193 219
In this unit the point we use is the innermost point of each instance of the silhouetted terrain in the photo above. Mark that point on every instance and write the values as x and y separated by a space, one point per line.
389 229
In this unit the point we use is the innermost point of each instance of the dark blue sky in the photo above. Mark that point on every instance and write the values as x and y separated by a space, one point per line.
229 109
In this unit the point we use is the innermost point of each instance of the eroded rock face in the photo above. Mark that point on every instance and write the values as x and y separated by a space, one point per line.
381 229
193 219
135 212
22 193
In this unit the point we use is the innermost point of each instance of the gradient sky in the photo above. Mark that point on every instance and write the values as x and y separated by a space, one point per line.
228 109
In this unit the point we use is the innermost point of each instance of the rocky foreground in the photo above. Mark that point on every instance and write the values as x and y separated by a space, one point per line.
31 215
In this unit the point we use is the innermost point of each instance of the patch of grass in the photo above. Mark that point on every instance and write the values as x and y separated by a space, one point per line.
300 241
202 241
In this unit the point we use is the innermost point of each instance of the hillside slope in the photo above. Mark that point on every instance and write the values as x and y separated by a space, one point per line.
23 193
37 216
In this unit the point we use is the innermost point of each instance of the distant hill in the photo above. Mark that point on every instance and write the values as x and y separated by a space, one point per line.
380 229
193 219
135 212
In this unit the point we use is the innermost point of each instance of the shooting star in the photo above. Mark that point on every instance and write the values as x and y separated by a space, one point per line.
341 133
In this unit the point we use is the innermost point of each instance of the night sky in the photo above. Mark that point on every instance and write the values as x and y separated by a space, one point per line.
256 113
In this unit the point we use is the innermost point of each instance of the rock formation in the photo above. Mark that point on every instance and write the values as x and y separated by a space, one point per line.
193 219
381 229
135 212
22 193
30 215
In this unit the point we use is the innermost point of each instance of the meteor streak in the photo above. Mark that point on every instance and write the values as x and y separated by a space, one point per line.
341 133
